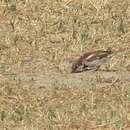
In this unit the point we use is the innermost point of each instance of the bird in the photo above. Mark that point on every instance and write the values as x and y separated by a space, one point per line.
91 60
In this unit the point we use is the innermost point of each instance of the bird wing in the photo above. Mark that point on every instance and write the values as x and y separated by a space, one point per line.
96 55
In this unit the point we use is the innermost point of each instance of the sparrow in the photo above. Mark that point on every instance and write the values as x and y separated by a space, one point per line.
91 60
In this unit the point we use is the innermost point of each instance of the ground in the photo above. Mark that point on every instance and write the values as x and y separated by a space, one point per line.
36 37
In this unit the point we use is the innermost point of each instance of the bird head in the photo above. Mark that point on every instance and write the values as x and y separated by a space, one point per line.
77 67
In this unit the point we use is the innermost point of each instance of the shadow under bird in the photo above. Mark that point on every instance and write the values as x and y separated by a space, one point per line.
91 60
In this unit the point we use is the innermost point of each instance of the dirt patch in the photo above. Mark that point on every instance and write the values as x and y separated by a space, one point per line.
73 79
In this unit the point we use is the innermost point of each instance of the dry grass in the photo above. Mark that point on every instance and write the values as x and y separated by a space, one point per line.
35 37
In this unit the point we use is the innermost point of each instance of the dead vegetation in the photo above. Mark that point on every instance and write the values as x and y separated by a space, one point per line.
35 37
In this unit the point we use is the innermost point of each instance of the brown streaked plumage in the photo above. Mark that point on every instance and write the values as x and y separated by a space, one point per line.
91 60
